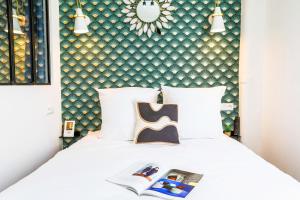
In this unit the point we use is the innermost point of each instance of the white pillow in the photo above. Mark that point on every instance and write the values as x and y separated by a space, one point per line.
199 110
118 110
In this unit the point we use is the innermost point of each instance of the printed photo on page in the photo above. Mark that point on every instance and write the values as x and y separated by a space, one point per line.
175 183
138 176
156 180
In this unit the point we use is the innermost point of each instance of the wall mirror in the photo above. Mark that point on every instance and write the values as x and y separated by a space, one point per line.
148 11
148 16
24 58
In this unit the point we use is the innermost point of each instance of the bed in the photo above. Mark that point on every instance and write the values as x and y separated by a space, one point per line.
231 171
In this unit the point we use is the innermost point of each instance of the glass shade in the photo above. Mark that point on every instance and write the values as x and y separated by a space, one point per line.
217 24
81 22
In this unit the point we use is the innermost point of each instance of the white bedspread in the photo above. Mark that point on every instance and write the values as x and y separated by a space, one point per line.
231 171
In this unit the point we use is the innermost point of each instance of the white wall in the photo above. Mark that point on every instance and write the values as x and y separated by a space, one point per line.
281 103
270 76
28 136
252 59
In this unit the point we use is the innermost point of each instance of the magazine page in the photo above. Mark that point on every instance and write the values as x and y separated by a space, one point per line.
175 184
139 176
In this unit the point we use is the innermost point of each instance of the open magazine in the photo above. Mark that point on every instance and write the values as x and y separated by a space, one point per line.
156 180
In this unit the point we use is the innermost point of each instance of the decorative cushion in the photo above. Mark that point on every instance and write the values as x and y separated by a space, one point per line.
199 108
156 123
118 110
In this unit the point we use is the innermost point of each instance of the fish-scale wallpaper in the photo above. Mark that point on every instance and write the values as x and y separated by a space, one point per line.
185 55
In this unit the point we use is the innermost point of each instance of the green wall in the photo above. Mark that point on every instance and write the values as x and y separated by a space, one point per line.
186 55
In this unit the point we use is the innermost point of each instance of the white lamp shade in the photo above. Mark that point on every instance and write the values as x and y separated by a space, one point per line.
16 25
81 22
217 24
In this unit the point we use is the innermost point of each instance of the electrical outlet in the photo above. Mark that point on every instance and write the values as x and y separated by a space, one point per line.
50 110
227 107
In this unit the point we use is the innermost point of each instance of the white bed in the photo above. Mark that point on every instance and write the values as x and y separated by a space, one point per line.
231 171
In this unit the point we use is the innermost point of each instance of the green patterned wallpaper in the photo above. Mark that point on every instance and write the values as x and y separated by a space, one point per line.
186 55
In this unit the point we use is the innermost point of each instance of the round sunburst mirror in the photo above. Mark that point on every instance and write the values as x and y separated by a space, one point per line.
148 16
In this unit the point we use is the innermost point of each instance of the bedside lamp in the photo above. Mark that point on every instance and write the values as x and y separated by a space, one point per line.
81 21
216 19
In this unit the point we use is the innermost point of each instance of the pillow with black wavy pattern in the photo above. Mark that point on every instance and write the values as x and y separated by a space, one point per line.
156 123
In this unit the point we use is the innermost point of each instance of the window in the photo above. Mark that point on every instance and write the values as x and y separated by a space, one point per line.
24 49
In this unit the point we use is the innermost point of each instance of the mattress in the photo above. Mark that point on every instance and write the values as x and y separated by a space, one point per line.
231 171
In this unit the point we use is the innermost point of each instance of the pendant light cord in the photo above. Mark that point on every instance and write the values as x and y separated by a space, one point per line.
217 3
79 4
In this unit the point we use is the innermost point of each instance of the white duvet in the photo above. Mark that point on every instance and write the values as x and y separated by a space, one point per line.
231 171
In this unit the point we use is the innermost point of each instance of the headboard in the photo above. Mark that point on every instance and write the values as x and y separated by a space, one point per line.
110 55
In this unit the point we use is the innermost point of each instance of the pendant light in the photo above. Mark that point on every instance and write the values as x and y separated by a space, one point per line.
81 21
16 21
216 19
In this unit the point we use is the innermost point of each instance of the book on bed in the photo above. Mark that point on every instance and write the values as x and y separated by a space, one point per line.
156 180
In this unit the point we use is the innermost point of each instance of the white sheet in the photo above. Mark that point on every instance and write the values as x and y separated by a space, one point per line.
231 171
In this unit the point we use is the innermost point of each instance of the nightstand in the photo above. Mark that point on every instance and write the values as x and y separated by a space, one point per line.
236 137
68 141
235 133
231 134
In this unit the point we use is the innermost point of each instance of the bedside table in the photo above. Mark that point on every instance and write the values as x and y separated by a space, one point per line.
230 134
68 141
235 133
236 137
